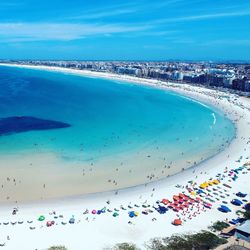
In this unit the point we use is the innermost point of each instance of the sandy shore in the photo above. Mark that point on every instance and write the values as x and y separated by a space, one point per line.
110 230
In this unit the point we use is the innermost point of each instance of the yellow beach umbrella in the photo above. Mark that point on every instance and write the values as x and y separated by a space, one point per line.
216 182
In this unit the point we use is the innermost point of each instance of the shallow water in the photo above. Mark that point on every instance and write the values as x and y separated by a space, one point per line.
121 134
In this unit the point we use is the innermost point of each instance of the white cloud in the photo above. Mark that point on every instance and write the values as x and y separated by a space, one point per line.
103 14
203 17
21 32
243 42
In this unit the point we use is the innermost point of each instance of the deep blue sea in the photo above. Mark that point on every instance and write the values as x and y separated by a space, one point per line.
108 118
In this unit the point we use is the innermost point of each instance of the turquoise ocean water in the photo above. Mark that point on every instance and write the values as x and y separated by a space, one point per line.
108 118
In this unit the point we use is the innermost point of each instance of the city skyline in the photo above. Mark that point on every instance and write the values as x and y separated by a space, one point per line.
114 30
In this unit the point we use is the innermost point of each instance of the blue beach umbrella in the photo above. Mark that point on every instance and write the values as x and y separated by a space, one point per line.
162 209
224 209
242 195
131 214
236 202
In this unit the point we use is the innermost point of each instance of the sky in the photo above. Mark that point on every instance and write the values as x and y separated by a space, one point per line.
125 30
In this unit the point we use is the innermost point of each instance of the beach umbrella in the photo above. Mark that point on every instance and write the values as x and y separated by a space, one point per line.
171 205
115 214
50 223
175 197
103 210
94 211
242 195
177 222
236 202
181 207
165 201
176 209
203 186
200 191
207 205
41 218
85 212
224 209
216 182
131 214
234 221
181 200
182 195
72 220
226 185
161 209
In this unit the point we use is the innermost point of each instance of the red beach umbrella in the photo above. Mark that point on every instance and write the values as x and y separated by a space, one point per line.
165 201
181 195
177 222
175 197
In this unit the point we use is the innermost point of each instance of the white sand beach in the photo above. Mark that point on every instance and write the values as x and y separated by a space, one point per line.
97 231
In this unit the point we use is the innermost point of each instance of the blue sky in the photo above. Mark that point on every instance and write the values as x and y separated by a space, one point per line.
125 30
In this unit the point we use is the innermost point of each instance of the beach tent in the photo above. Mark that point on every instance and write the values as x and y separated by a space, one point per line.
41 218
236 202
177 222
224 209
242 195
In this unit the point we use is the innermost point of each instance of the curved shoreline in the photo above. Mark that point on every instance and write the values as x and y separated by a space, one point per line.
140 182
236 110
173 87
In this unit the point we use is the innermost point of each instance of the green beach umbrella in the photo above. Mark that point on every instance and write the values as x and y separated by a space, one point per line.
41 218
